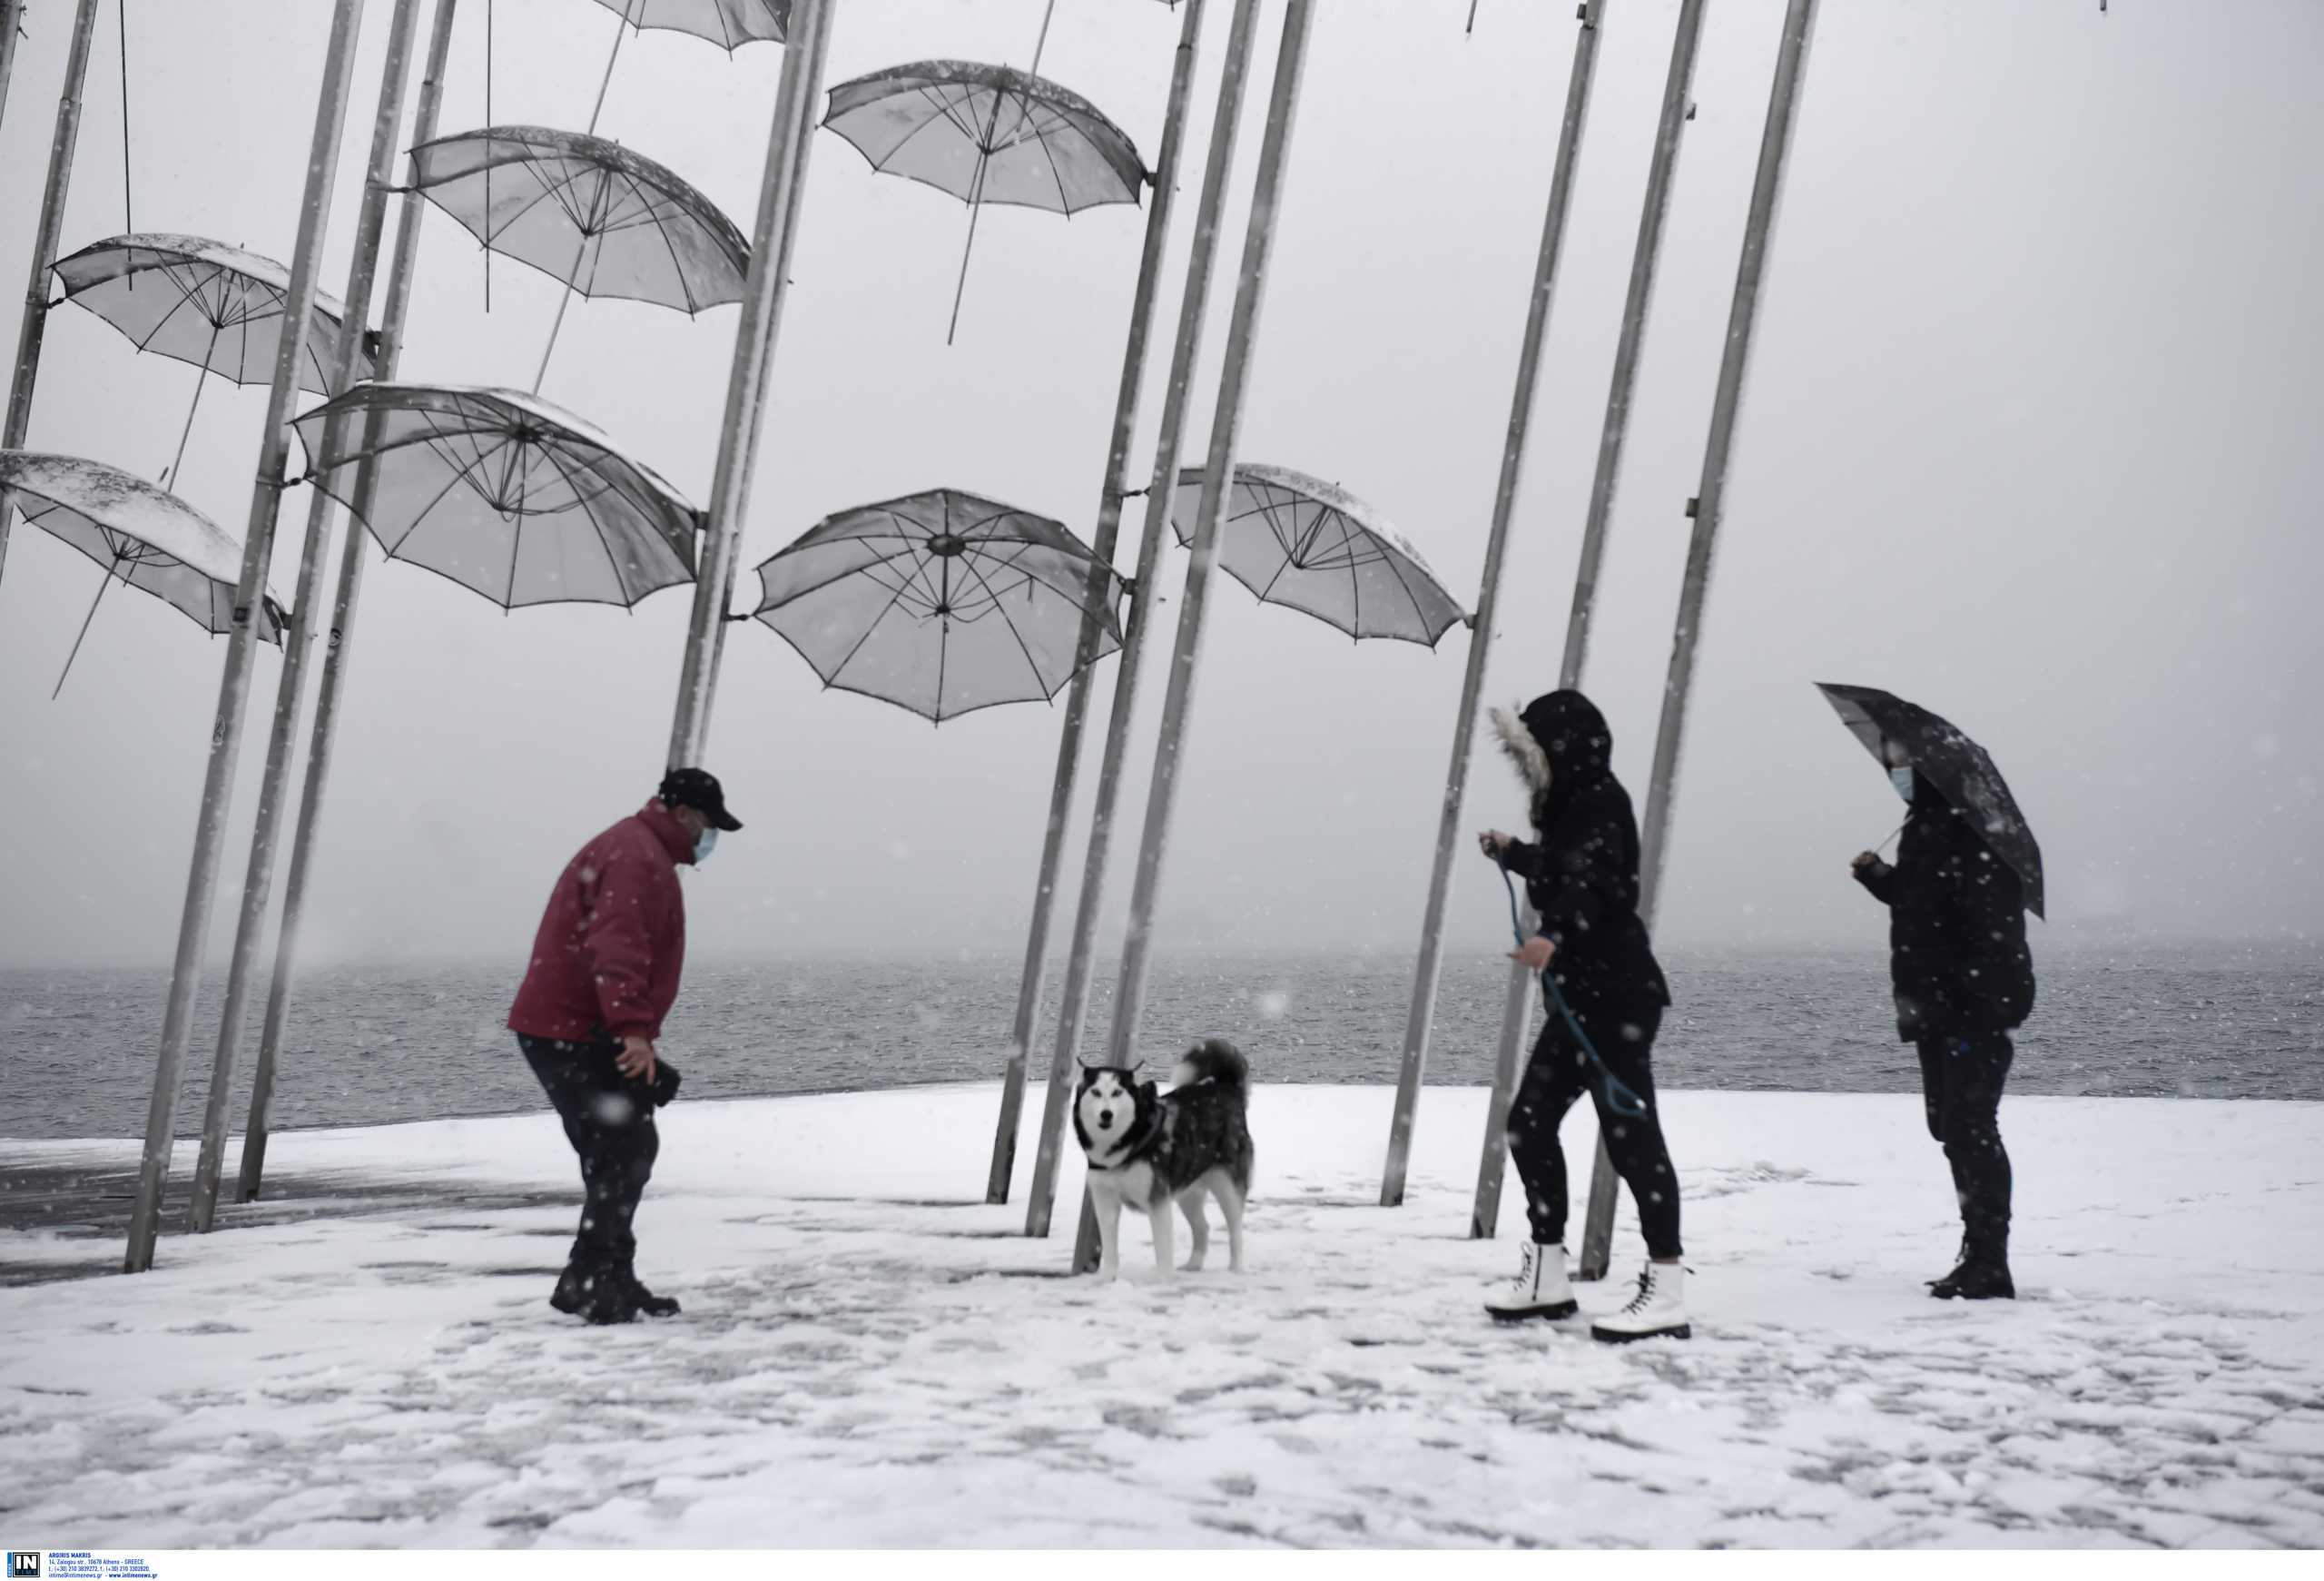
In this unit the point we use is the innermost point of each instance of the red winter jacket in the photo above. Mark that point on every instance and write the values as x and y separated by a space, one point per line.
613 939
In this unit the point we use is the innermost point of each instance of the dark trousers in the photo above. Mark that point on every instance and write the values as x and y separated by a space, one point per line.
1961 1083
1560 1072
609 1120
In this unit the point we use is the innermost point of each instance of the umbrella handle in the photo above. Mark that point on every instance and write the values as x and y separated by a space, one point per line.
92 614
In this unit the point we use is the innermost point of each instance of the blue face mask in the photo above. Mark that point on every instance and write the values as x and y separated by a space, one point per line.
1902 778
704 845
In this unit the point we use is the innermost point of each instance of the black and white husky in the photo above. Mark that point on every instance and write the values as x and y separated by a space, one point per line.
1150 1148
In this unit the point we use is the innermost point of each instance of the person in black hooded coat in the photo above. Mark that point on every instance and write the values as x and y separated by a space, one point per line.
1581 875
1963 980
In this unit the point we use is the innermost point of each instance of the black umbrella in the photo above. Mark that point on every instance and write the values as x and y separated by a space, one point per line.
1902 735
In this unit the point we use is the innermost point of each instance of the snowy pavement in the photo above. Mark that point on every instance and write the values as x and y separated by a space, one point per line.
870 1355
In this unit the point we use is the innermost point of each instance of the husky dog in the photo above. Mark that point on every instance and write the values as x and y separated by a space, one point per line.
1150 1148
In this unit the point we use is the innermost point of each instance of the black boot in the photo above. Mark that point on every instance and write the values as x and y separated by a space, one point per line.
594 1292
646 1300
1982 1275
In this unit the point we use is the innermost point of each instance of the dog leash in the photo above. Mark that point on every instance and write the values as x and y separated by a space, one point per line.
1620 1097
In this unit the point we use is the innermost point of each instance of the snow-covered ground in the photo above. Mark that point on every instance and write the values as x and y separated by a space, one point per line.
870 1355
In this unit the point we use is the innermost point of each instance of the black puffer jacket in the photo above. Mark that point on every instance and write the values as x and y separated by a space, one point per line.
1956 927
1582 871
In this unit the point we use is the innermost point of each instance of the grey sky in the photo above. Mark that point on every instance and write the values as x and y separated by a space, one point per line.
2031 439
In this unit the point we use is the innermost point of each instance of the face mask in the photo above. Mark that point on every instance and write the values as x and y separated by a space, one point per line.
1902 778
704 845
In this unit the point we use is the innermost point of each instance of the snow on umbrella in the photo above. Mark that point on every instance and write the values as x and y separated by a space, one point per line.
1902 735
604 220
203 303
987 134
942 602
146 538
504 493
1311 546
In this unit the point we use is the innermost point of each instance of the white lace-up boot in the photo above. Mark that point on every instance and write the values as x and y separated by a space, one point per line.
1657 1311
1540 1289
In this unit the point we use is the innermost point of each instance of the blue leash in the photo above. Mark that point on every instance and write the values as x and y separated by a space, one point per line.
1620 1097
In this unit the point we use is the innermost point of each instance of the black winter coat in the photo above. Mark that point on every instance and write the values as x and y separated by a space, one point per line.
1956 927
1581 873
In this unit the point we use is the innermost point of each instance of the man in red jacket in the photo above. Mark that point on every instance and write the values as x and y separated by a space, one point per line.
603 973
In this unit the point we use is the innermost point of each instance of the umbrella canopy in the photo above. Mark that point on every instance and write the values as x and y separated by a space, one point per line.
504 493
142 536
1311 546
942 603
589 212
729 23
203 303
988 133
1901 734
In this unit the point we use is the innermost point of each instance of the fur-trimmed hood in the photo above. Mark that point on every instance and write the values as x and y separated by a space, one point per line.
1559 743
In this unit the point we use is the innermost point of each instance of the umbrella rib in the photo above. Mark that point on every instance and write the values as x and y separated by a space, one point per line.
1032 663
869 627
588 508
944 111
185 295
835 577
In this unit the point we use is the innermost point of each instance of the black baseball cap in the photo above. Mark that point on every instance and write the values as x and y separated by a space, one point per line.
698 789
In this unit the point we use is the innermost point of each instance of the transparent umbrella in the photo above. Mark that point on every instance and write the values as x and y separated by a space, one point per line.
604 220
505 493
729 23
1311 546
201 302
942 603
145 537
987 134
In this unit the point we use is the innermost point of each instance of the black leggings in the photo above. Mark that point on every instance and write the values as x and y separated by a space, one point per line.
609 1120
1560 1073
1961 1084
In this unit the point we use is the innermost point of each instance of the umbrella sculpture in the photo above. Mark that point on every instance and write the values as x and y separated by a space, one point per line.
1902 735
1311 546
942 603
728 23
145 537
605 222
203 303
504 493
987 134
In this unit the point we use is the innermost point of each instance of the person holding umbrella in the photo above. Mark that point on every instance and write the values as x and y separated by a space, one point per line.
603 973
1967 870
1606 996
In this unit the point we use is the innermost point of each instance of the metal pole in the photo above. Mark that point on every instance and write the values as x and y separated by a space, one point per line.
44 244
1645 260
1225 428
719 554
12 14
401 271
298 642
1109 519
1727 405
234 683
1193 312
1423 1009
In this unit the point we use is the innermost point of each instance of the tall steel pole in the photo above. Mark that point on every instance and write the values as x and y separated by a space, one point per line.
1193 311
719 554
1645 262
44 247
1160 207
321 742
12 16
1423 1009
1708 505
1225 428
234 684
289 695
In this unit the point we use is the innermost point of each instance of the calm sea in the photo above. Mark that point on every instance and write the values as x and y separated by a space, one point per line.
372 1045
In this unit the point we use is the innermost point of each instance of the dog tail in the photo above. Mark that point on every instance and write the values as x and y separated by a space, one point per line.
1216 1060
